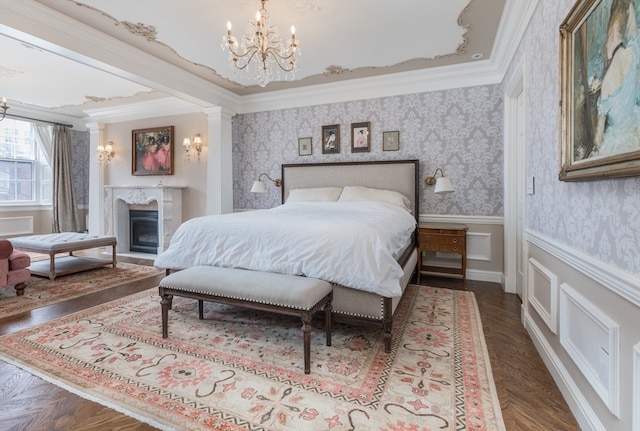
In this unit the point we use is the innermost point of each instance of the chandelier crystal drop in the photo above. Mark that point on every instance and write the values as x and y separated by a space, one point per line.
261 50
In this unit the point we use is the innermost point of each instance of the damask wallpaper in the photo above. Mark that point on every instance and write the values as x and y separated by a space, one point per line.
458 130
600 218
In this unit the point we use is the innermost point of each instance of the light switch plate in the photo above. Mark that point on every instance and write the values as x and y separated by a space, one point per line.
531 183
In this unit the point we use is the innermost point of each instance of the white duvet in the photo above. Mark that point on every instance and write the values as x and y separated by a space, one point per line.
348 243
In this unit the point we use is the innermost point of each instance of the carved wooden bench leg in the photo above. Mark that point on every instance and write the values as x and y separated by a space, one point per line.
165 303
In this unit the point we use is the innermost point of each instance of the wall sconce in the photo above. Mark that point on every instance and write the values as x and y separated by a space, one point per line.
197 146
4 108
259 187
105 152
443 184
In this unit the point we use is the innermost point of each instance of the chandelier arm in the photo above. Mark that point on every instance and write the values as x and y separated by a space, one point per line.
276 54
249 51
248 60
285 68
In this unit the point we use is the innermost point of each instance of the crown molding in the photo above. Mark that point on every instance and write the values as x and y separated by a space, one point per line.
513 24
140 110
419 81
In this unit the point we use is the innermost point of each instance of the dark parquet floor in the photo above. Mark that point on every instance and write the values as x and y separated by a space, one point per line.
529 398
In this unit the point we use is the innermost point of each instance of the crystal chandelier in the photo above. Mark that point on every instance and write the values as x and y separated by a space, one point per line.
261 50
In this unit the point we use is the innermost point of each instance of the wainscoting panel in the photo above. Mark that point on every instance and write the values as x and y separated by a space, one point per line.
592 340
635 402
479 246
12 226
543 293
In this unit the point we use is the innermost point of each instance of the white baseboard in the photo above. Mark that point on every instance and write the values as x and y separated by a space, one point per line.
490 276
586 417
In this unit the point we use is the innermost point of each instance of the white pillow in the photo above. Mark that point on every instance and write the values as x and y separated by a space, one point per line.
318 194
359 193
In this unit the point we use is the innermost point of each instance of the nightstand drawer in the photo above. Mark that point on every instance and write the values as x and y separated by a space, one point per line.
445 243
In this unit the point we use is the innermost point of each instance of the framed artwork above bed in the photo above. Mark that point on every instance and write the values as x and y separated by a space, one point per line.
304 147
360 137
331 139
391 141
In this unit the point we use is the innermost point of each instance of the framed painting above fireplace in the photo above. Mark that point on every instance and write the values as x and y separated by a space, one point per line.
152 151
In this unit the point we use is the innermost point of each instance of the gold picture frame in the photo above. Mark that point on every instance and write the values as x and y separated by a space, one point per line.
596 140
152 151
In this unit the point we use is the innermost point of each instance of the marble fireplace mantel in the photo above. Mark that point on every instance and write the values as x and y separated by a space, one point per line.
168 200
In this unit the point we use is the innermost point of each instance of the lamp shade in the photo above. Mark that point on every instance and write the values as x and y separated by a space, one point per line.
443 185
258 187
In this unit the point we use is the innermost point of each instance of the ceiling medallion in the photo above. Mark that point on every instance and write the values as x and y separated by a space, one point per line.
261 50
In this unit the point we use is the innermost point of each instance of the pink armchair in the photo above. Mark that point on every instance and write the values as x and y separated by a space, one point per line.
14 269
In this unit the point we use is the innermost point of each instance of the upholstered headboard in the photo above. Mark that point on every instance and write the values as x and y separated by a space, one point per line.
397 175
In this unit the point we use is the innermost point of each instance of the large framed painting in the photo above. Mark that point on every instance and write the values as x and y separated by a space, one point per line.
152 151
600 90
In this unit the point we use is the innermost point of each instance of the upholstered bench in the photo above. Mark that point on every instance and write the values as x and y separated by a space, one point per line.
278 293
65 242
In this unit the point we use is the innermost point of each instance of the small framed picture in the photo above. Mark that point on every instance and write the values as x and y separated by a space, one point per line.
304 147
152 151
331 139
390 141
360 137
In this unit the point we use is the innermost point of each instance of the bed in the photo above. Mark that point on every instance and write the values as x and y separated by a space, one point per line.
379 236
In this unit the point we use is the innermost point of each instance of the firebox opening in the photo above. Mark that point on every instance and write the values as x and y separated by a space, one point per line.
144 231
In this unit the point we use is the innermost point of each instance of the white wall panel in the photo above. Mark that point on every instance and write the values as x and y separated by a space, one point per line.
12 226
592 340
479 246
543 293
635 402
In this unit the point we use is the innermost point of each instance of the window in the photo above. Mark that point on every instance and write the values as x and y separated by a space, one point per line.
25 175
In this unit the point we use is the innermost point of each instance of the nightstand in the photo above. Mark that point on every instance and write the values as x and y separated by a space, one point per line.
445 238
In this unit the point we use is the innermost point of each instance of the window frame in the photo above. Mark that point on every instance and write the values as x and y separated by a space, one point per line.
42 178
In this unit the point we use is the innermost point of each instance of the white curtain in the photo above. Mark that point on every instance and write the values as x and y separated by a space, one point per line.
65 211
43 133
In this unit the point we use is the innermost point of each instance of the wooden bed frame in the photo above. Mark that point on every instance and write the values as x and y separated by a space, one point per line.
351 305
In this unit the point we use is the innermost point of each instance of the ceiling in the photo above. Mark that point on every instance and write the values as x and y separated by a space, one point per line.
124 51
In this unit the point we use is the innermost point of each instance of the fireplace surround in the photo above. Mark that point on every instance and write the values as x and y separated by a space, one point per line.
120 200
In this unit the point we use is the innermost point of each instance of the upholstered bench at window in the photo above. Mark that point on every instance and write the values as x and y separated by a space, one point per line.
278 293
65 242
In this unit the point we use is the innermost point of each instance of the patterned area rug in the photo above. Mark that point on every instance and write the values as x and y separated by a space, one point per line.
243 370
41 291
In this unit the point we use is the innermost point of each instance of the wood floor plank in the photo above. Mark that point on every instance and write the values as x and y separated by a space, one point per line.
529 398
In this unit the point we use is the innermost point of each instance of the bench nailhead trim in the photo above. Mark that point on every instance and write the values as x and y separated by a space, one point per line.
242 299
